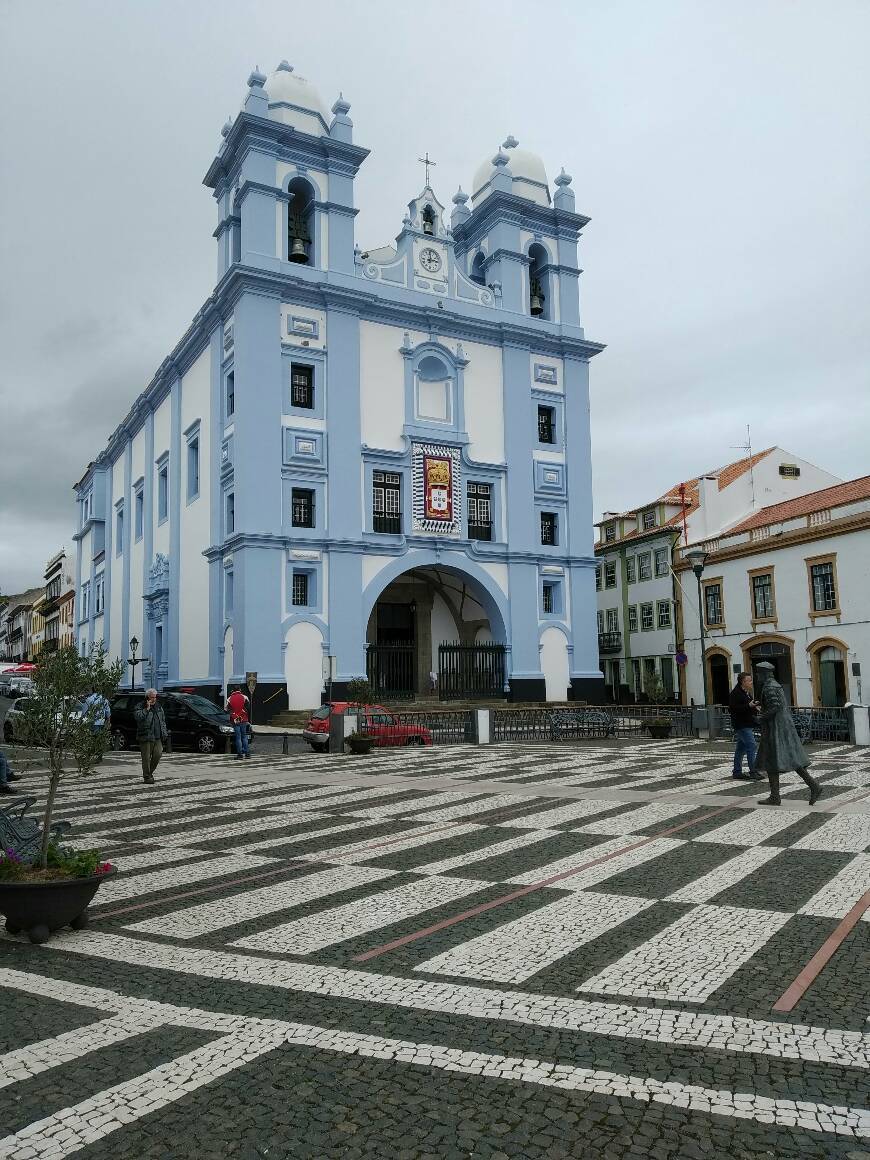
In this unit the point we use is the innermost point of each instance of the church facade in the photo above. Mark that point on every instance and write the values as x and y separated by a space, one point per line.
358 462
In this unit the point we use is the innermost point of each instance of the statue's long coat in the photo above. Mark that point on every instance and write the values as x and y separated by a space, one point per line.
780 749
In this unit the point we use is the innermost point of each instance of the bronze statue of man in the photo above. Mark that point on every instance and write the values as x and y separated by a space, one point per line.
780 750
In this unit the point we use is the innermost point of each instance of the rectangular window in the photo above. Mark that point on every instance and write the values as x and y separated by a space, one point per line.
231 394
87 507
549 528
600 616
119 530
630 570
632 618
713 604
547 598
546 425
193 469
664 613
158 646
647 620
644 566
609 533
667 670
85 601
479 511
598 578
163 493
612 619
138 513
300 589
230 525
636 686
762 596
648 519
229 592
824 588
610 574
301 386
661 561
302 502
387 502
99 594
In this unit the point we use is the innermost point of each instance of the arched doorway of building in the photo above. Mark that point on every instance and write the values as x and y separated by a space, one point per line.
779 653
830 680
436 631
718 677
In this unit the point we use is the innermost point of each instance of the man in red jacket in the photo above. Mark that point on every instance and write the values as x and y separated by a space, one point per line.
237 707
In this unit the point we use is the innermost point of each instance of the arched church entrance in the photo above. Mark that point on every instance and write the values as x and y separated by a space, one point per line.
435 631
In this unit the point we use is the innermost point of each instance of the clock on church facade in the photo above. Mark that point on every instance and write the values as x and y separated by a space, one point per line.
358 461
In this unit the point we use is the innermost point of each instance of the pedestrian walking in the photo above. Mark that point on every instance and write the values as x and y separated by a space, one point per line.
6 775
237 707
151 734
98 712
780 750
744 718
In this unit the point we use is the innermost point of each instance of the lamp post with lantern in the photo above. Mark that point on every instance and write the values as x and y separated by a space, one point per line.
697 558
134 661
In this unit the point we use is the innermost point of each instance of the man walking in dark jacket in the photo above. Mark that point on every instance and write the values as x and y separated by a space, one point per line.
151 734
743 720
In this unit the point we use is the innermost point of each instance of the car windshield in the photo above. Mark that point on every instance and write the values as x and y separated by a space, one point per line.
201 705
320 714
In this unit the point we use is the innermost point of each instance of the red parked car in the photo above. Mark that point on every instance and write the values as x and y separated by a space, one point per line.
374 720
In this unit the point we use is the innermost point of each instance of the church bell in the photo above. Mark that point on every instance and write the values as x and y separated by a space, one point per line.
428 226
297 250
536 299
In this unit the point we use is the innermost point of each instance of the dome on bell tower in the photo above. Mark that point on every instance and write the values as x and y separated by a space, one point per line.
526 169
295 101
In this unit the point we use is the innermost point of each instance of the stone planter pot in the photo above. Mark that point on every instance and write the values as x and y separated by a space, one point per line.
360 744
40 908
659 732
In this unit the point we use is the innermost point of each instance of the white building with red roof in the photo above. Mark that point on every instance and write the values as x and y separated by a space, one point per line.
638 605
789 584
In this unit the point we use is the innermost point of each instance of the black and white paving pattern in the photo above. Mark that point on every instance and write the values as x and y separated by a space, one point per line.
589 950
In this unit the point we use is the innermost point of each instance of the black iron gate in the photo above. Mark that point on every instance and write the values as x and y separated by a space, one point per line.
470 670
390 669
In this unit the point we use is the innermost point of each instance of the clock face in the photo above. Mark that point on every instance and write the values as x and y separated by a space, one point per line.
430 260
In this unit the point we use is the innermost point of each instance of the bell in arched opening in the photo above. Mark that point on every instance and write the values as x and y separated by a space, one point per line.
428 220
298 238
536 298
299 219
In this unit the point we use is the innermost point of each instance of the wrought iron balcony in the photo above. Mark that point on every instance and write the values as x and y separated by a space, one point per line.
51 645
392 525
479 531
609 642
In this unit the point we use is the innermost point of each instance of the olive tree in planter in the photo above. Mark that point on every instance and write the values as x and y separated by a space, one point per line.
44 886
360 692
657 727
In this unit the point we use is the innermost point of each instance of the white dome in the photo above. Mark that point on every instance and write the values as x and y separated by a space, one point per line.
295 101
527 169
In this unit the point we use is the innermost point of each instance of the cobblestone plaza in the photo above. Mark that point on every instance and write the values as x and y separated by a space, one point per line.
603 950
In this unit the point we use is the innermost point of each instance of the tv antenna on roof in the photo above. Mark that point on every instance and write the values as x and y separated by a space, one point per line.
747 448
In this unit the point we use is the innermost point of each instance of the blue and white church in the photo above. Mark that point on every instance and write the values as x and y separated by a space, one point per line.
358 461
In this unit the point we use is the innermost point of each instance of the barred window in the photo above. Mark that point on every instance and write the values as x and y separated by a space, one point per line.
713 604
302 501
549 528
547 598
479 511
387 502
546 425
762 596
300 589
824 588
301 386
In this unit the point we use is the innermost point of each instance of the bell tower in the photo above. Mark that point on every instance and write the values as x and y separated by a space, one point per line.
283 179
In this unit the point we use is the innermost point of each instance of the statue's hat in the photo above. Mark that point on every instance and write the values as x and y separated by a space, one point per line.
766 665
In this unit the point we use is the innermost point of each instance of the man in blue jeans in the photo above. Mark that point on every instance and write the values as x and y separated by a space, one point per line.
744 715
6 775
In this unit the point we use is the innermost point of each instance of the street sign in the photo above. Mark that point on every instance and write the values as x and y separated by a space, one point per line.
681 658
251 679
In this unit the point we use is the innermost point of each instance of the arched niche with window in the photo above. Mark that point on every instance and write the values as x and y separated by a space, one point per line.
540 287
434 382
434 391
300 222
478 269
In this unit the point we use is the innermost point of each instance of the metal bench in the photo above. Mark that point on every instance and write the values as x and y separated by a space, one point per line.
581 723
24 834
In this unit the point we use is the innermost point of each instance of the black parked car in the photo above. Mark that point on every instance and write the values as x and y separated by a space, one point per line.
193 722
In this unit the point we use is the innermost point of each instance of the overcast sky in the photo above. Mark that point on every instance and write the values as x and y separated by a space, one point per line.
721 151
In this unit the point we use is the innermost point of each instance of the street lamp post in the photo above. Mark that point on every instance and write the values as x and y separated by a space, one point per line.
697 558
134 661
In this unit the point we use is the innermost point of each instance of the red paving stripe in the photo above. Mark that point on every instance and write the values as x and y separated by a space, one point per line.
533 886
292 865
793 994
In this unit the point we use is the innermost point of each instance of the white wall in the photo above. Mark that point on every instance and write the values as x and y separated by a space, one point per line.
139 470
484 407
554 664
443 627
303 666
116 594
193 595
382 384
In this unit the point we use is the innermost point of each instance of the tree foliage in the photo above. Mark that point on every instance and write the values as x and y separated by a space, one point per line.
55 717
360 690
